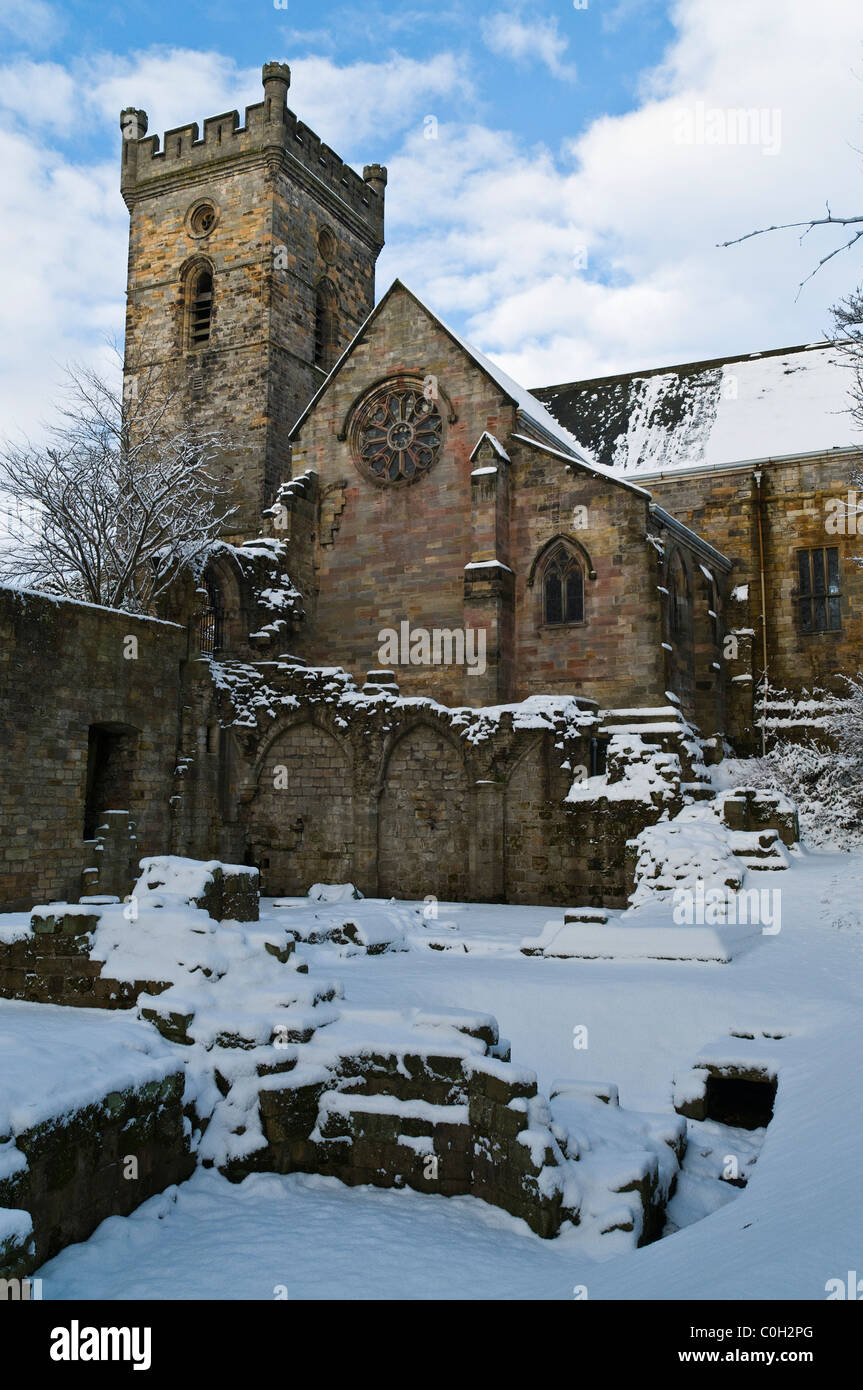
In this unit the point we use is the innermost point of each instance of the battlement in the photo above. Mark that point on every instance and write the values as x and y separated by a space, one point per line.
269 126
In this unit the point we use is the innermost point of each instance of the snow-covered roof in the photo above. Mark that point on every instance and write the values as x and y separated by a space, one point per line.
532 412
497 448
765 405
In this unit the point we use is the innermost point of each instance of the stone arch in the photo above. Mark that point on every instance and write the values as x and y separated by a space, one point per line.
326 323
300 818
572 543
198 294
225 599
424 818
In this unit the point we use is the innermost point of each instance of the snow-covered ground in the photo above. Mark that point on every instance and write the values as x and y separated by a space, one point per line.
796 1225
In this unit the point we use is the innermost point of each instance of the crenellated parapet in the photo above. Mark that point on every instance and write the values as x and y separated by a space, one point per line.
269 130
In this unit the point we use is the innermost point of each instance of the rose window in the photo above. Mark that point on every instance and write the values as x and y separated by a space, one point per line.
399 435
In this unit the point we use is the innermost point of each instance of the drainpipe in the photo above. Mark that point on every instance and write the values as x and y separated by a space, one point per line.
758 478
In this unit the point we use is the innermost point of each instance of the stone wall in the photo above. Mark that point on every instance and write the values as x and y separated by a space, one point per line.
77 1171
463 547
274 187
407 798
722 505
63 669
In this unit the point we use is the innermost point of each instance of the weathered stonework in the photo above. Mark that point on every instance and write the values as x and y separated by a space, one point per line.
74 1174
274 188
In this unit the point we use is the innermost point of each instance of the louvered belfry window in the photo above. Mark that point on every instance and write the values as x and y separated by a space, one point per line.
201 309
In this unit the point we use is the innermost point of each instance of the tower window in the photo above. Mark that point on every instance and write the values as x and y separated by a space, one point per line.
200 308
326 325
562 589
818 591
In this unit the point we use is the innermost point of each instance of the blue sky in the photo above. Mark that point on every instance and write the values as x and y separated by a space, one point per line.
565 217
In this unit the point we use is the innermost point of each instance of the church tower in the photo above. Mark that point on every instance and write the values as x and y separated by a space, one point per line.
252 254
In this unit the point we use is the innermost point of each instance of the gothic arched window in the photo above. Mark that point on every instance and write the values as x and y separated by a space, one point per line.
562 588
200 306
326 325
678 599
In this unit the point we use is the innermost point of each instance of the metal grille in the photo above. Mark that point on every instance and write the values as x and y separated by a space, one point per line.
212 624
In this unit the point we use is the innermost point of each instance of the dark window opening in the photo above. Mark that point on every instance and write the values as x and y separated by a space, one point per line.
562 590
212 621
818 590
678 604
713 611
742 1104
326 325
111 751
201 309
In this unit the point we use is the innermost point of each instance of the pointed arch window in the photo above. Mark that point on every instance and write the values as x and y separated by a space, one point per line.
678 600
326 324
562 589
200 306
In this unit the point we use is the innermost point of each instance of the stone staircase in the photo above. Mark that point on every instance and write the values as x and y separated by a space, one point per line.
665 736
762 826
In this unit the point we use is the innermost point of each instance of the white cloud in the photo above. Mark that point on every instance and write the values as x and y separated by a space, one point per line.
528 40
33 23
62 244
343 104
63 225
489 230
497 232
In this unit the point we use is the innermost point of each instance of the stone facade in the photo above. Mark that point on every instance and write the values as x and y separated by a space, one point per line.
83 688
127 736
464 548
77 1166
800 502
269 211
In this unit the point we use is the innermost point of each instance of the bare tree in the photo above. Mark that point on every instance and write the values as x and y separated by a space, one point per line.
808 226
118 501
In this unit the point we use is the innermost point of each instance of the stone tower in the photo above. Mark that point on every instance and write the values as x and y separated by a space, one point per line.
252 254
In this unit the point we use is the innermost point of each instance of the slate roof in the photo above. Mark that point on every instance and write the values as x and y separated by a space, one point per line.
727 410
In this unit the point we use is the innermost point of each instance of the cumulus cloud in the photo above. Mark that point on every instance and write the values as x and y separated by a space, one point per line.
33 23
63 225
601 256
530 39
598 255
345 103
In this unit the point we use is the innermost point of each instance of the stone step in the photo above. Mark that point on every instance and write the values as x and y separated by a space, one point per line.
698 791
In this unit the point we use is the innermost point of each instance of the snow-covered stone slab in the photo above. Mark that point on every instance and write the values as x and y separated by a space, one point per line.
226 892
586 941
334 893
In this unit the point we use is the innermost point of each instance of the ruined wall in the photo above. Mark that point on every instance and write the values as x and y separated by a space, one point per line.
63 669
423 819
404 798
77 1164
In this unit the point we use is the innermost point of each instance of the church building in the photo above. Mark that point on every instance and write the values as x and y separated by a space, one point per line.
452 614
